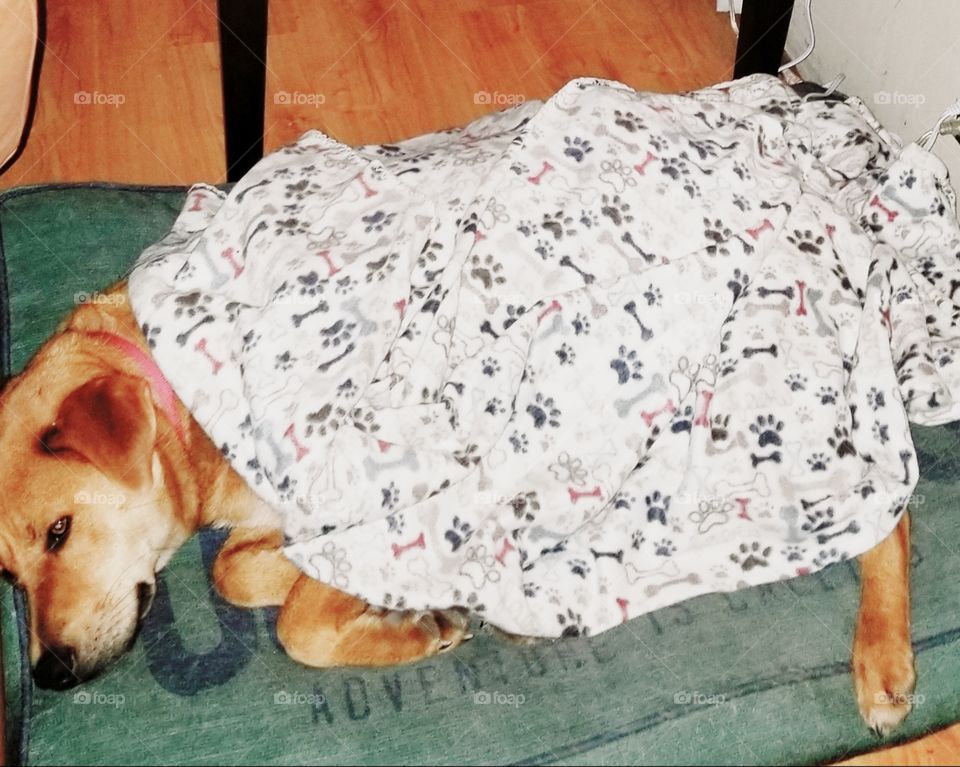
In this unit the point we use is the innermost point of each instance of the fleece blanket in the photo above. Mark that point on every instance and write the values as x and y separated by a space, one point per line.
578 360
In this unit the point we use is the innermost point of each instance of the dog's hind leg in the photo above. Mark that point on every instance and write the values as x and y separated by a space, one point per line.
324 627
883 672
251 569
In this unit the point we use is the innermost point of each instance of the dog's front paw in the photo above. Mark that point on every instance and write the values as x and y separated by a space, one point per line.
884 677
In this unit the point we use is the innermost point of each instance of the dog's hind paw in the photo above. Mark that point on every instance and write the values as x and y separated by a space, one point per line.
884 678
450 628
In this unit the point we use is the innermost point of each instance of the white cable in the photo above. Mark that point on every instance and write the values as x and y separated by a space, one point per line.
733 18
813 41
830 87
928 139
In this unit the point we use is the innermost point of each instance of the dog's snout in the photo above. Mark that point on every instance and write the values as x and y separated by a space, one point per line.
56 669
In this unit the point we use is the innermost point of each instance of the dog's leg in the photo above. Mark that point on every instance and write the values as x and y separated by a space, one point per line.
883 671
323 627
251 569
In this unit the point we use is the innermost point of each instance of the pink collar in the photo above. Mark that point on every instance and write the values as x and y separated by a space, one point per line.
162 390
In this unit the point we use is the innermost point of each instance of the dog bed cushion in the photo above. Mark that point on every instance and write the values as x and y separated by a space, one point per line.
759 676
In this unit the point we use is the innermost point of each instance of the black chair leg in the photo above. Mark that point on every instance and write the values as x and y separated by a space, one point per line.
763 34
243 57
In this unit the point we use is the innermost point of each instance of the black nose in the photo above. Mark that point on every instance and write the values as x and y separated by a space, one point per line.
55 669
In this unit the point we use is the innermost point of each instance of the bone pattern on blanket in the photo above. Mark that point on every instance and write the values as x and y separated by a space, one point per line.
579 360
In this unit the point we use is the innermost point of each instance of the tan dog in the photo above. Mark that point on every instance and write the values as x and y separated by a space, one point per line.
104 479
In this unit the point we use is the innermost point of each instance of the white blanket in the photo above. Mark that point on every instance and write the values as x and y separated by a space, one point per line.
578 360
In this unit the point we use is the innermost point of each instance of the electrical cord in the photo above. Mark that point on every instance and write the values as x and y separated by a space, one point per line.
928 139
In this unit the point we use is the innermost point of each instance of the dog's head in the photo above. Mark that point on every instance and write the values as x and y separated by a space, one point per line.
86 515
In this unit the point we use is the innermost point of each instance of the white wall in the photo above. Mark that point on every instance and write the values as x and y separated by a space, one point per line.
906 52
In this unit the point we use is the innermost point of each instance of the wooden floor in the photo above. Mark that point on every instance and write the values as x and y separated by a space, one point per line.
130 90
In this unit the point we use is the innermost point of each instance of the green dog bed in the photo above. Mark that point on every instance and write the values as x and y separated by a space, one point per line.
758 676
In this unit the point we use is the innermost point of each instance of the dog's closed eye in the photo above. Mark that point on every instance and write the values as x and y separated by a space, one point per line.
57 533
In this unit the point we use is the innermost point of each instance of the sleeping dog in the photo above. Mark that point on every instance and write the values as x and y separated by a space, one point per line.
106 475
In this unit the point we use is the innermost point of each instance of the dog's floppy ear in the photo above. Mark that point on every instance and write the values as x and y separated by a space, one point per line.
109 421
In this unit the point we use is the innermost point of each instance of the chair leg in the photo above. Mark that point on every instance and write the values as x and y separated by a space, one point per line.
243 66
763 33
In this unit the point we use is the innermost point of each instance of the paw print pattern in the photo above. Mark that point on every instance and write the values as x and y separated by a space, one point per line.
818 461
628 121
577 147
543 412
728 366
519 442
616 210
494 406
827 557
526 228
881 432
525 506
664 548
588 219
674 167
389 496
653 296
378 221
827 395
657 507
627 366
719 427
565 354
796 382
767 430
841 442
806 241
682 420
572 624
338 333
486 271
545 250
578 567
558 225
581 325
793 553
752 555
458 534
284 361
490 367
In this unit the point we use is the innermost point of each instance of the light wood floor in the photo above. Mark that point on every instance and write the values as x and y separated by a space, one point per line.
362 71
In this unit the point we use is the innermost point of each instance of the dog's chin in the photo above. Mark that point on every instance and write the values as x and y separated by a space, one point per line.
80 672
